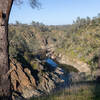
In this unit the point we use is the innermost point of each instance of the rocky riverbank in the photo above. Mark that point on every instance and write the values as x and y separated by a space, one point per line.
27 82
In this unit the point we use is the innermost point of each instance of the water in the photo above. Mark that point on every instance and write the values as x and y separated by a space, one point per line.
51 62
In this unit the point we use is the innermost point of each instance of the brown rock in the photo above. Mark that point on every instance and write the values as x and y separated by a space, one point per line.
21 81
28 72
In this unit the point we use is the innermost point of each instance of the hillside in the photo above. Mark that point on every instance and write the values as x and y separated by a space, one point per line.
77 41
75 49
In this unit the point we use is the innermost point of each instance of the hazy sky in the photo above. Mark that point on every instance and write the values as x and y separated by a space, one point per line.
54 12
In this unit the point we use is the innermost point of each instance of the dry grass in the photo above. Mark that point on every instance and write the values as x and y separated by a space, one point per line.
86 91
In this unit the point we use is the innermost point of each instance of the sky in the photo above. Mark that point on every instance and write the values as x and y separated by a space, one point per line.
55 12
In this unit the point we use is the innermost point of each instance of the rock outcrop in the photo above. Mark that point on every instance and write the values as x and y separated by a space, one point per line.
49 81
22 80
63 59
25 85
79 65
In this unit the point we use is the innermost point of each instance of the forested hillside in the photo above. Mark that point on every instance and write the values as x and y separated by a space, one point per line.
81 40
78 44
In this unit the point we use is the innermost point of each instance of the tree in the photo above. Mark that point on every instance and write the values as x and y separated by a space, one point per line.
5 8
88 20
17 22
98 15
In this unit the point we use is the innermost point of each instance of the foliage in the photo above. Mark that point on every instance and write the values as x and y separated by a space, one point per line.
33 3
81 40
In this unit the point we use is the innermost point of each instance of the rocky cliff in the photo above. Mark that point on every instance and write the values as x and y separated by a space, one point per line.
25 84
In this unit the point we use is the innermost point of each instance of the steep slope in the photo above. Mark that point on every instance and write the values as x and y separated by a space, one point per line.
28 82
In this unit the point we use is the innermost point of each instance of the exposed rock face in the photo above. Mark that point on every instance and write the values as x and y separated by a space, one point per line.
46 84
79 65
32 80
49 81
63 59
24 83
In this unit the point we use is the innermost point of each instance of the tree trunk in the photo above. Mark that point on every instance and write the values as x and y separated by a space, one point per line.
5 90
4 65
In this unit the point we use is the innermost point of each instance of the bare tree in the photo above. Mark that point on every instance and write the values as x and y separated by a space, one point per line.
5 8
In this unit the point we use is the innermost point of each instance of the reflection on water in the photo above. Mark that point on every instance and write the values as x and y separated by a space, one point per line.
51 62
